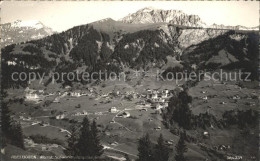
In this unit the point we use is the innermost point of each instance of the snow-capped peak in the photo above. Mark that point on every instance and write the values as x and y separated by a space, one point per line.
31 23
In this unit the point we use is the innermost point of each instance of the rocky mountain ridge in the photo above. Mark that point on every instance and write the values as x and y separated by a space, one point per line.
176 17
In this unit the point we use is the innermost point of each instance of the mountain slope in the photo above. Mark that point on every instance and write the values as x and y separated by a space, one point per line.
111 45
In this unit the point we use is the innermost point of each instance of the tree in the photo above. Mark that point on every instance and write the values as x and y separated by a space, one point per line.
84 143
5 119
72 143
161 152
145 148
181 148
179 110
12 131
17 135
182 115
96 147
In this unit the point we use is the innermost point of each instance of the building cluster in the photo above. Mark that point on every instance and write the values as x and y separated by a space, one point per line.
33 95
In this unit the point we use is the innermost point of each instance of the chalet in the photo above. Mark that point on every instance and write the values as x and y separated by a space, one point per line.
75 94
11 63
135 96
143 109
32 96
59 117
35 123
194 66
91 90
166 104
205 133
113 110
164 95
147 104
250 103
166 91
149 91
149 96
81 113
67 87
154 95
161 100
156 100
2 150
158 106
27 118
84 112
125 114
236 97
170 142
205 98
157 128
142 102
28 90
57 100
223 103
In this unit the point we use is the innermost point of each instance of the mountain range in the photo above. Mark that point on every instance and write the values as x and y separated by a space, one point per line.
136 41
176 17
22 31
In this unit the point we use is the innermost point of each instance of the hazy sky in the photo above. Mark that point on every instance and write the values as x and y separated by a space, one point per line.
64 15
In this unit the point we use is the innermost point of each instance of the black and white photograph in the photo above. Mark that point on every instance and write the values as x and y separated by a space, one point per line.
129 80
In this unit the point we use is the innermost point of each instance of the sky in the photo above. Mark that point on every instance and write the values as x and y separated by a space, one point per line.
62 15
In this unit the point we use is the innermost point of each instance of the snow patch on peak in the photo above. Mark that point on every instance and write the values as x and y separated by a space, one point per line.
31 23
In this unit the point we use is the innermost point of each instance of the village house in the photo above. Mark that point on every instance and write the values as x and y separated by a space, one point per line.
75 94
90 90
81 113
84 112
157 128
154 96
205 98
113 110
135 96
206 134
27 118
67 87
236 97
148 104
161 100
158 106
165 104
61 116
32 96
164 95
11 63
149 96
141 102
149 91
223 103
57 100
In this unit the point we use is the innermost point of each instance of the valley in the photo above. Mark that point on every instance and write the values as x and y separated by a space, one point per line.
218 118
